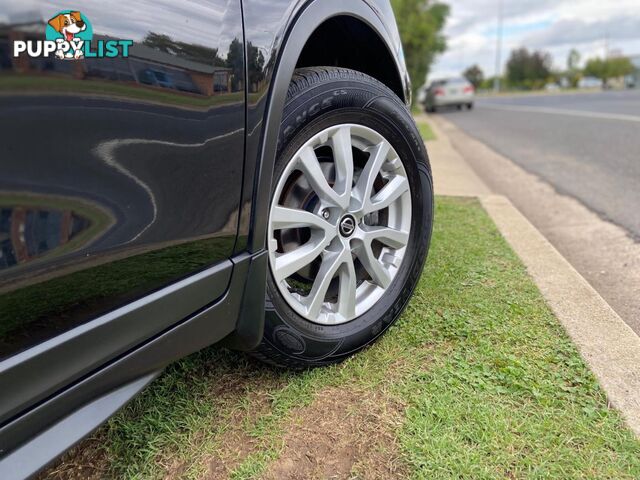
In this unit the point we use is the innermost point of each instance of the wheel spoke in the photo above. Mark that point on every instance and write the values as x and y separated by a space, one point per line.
286 264
315 176
343 159
389 193
319 197
364 186
283 217
347 292
389 236
372 265
328 268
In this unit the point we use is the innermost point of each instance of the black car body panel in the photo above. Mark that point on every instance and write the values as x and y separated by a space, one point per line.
133 212
282 28
107 183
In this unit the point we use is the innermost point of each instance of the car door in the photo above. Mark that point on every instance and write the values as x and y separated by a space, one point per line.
120 183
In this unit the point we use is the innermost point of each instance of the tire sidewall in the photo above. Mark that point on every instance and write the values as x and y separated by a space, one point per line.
306 114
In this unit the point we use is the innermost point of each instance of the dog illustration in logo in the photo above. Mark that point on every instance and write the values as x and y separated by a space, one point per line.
68 25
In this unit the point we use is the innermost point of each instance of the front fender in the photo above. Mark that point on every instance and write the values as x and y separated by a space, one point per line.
282 34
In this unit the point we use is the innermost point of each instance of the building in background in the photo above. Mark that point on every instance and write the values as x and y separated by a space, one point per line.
144 67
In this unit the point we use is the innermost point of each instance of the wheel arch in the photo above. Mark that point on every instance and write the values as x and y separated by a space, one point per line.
347 41
299 47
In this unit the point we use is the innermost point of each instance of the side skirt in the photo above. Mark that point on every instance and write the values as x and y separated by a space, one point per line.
66 417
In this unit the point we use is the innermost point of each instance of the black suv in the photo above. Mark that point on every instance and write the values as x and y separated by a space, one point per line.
244 173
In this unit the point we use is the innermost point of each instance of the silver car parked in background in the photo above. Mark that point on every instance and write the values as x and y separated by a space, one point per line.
457 92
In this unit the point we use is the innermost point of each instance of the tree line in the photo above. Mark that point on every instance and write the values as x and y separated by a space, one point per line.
531 70
420 23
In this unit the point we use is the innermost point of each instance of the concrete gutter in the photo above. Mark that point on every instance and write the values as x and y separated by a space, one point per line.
608 345
604 253
452 175
604 340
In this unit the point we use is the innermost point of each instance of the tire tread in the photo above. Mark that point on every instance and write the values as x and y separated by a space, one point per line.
302 81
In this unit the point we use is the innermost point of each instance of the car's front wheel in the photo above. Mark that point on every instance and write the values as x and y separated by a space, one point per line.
350 218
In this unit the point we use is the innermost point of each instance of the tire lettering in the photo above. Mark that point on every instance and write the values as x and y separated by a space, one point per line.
301 118
313 109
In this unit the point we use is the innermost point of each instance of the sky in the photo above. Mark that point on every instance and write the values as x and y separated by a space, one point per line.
555 26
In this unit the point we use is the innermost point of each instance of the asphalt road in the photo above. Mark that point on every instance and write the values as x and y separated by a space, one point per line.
585 145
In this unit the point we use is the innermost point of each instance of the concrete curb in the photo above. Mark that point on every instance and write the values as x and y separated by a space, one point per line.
604 253
451 173
604 340
608 345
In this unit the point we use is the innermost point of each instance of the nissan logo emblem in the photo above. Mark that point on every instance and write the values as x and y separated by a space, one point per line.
347 226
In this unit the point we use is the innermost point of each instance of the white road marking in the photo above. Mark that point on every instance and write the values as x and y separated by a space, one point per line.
106 152
563 111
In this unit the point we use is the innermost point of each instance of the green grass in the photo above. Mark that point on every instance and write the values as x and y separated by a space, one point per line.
492 386
425 131
512 397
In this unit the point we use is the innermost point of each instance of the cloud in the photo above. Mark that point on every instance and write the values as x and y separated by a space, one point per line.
555 26
577 31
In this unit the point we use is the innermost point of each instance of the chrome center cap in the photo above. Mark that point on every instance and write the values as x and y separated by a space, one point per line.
347 225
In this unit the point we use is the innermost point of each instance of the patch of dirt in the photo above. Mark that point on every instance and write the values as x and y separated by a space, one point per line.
87 461
234 443
249 398
346 432
343 433
244 389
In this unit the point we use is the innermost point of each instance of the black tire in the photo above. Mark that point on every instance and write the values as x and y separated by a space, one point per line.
470 106
347 96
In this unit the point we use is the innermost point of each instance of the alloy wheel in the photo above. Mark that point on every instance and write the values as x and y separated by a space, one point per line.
339 224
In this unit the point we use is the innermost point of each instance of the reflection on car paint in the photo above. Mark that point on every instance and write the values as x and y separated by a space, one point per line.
118 175
27 233
35 227
38 311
